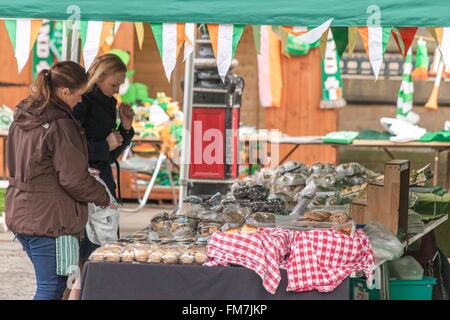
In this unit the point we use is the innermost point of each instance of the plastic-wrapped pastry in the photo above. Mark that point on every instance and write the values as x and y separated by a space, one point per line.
190 209
170 256
339 217
141 254
161 222
200 257
127 255
155 256
240 190
275 205
97 255
193 199
214 200
112 254
319 216
232 215
258 206
187 257
258 192
260 217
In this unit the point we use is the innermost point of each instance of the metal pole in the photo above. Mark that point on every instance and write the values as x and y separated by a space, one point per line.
187 119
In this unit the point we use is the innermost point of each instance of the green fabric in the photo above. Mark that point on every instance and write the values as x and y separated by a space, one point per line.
83 32
11 27
406 92
422 54
264 12
238 30
432 206
340 35
342 137
295 46
157 30
67 255
442 136
373 135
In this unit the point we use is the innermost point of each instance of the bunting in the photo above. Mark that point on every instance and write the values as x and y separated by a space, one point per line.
309 35
169 38
375 39
404 37
442 37
23 34
93 34
224 40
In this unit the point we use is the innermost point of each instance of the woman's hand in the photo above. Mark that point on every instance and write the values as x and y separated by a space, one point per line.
126 115
114 140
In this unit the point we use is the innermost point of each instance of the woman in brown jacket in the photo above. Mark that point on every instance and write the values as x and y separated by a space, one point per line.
49 183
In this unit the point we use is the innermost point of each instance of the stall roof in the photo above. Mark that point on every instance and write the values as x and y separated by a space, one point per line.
269 12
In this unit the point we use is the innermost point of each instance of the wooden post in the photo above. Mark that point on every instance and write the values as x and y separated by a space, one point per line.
299 113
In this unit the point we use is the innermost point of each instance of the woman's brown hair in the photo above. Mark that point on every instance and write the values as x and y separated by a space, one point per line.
104 66
66 74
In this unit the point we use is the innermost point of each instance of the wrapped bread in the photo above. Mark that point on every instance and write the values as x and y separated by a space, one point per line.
141 254
170 256
155 256
320 216
339 217
187 257
97 255
127 255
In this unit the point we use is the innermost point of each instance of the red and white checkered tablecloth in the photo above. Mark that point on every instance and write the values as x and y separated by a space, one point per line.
262 252
321 259
315 260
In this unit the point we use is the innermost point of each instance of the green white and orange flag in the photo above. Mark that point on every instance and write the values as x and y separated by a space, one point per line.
169 38
375 39
224 40
23 34
269 67
93 34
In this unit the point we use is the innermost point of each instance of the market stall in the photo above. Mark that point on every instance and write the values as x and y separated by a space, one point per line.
270 218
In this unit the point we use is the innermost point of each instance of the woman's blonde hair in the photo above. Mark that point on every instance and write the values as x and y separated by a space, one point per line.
104 66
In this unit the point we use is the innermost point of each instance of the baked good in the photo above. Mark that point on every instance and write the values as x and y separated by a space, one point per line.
170 256
339 217
200 257
249 229
112 254
320 216
155 256
97 255
187 258
127 255
141 254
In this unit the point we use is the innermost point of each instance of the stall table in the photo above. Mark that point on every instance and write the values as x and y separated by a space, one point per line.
134 281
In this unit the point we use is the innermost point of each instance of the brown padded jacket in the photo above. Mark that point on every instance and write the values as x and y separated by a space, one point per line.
49 181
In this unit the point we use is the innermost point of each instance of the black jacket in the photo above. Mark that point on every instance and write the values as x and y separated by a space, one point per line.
97 114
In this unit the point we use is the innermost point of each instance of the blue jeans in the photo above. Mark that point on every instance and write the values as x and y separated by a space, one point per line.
42 253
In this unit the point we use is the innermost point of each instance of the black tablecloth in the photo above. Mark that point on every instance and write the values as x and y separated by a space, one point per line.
102 280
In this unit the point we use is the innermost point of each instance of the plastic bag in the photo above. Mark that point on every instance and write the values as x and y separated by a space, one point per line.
240 190
103 223
305 198
406 268
190 209
385 244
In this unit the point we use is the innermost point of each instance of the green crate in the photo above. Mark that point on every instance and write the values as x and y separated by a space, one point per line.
399 289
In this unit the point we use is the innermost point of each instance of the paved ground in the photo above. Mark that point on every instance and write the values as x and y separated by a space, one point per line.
17 281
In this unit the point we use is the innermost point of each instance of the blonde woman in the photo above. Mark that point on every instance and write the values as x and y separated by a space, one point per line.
97 114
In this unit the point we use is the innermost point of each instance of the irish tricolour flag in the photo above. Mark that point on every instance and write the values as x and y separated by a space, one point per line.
169 39
23 34
375 39
224 40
